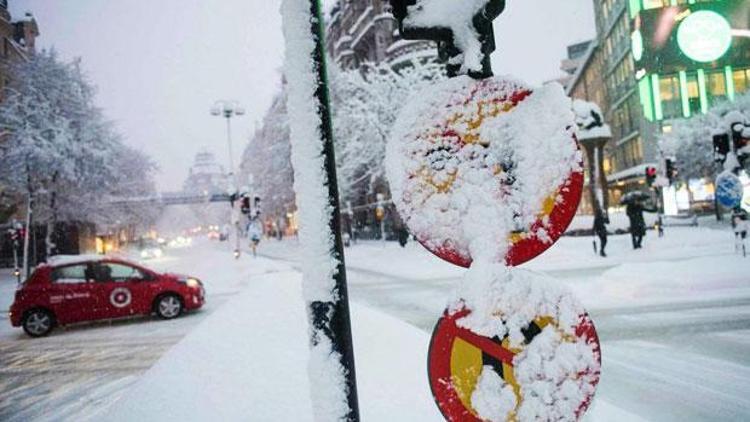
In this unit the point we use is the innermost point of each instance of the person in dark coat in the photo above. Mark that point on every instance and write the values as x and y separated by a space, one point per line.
403 236
635 210
600 229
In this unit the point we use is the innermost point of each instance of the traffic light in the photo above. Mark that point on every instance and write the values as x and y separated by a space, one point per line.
650 175
245 205
721 147
739 137
671 170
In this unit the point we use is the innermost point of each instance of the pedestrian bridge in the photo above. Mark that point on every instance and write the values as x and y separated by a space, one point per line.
170 198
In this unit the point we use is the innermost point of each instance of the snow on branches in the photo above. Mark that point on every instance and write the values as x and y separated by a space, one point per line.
59 148
690 140
366 104
266 159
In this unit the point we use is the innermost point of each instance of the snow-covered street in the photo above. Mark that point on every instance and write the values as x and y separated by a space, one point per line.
674 320
83 368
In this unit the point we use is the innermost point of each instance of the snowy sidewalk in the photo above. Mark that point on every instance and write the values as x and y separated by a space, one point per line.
248 362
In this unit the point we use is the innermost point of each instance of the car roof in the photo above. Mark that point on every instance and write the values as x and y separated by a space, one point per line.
62 260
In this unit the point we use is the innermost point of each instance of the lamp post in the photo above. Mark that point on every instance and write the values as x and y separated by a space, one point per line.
229 109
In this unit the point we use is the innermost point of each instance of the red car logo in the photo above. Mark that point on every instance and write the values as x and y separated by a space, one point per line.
77 289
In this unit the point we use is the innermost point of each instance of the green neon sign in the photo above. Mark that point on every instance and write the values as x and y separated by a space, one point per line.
636 39
704 36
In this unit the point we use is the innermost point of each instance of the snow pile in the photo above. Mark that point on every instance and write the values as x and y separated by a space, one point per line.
556 371
590 121
504 300
315 212
471 161
493 398
456 15
241 365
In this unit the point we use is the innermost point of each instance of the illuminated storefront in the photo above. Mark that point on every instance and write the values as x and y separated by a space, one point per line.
689 55
686 55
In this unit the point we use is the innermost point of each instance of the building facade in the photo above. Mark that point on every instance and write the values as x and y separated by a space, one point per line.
17 40
660 60
206 176
365 31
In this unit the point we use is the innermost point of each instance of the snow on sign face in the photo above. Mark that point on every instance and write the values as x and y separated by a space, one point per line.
535 359
486 169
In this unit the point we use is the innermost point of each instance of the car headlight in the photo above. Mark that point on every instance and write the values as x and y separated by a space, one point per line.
193 282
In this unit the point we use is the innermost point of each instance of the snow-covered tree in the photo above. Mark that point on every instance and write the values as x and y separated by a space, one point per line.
366 103
267 160
691 140
57 146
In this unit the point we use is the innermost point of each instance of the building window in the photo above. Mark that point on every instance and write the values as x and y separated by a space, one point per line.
741 82
694 97
717 87
669 88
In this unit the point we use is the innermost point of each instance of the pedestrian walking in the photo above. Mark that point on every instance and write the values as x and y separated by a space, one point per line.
403 236
740 228
635 210
254 232
600 230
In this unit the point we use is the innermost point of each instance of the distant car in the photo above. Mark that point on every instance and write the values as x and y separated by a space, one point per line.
151 249
76 289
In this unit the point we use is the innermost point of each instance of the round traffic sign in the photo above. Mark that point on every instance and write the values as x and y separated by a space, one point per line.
729 190
475 378
489 160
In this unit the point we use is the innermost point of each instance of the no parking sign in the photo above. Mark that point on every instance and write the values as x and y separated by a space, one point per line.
460 361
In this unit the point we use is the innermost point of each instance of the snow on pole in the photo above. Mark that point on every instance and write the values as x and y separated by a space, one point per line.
331 365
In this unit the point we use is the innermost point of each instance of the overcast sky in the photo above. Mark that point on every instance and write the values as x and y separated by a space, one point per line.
159 65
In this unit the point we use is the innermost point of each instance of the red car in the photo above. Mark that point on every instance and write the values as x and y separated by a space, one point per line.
77 289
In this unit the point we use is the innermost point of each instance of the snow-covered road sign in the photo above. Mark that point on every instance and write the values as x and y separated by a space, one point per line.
729 190
473 377
475 160
462 29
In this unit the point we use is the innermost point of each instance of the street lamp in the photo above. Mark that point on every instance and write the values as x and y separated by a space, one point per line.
229 109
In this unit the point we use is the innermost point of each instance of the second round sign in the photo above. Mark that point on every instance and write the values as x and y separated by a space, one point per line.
475 378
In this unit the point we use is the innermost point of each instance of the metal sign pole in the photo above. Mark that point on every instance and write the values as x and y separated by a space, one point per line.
332 318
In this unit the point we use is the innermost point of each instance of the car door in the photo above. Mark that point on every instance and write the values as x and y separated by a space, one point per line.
72 295
123 290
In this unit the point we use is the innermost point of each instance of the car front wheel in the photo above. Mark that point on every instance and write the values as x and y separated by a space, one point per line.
38 323
168 306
